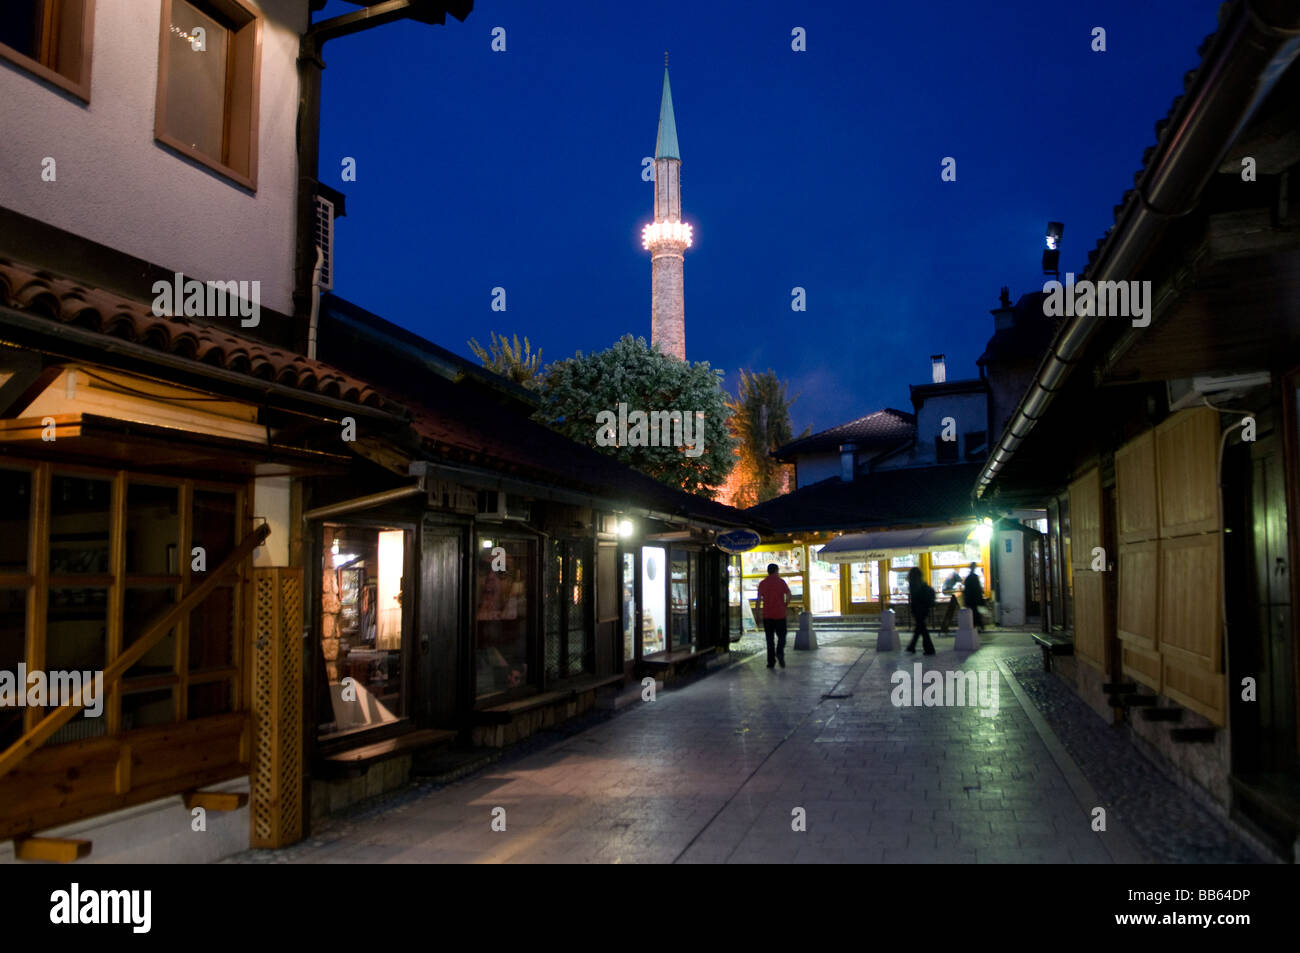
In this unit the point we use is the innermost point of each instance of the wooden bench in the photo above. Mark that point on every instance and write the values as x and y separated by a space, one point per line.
1053 645
666 661
504 713
357 761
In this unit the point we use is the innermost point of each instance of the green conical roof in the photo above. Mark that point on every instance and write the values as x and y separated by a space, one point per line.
666 144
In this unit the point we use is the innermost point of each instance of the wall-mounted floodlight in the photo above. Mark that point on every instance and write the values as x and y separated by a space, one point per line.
1052 253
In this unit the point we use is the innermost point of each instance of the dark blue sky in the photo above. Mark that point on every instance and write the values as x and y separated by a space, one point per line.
819 169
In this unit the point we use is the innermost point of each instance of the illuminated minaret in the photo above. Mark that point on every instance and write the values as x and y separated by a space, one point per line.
668 238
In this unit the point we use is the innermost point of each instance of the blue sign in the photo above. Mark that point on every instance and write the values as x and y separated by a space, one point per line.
738 541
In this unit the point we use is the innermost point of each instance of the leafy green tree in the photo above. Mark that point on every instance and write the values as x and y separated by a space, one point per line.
581 397
760 420
515 363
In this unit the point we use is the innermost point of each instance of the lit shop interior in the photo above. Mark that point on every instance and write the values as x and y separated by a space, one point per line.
858 574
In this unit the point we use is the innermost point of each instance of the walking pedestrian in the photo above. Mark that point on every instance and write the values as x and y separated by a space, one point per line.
773 596
974 596
920 596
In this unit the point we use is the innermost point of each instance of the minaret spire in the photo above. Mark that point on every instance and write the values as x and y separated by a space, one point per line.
668 238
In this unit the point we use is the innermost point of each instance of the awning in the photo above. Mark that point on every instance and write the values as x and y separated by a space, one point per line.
884 544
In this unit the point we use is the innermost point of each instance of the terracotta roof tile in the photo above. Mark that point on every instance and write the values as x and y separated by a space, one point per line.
28 289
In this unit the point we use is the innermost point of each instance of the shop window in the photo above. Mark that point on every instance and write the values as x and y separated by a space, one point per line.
153 530
825 581
682 628
362 582
207 100
654 582
13 628
146 603
212 698
629 607
15 520
864 582
504 581
50 39
142 709
567 606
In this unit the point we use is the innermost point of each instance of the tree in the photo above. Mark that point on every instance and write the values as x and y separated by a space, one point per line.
581 398
514 363
760 421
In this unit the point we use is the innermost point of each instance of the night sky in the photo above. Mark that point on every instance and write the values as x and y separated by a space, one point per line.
819 169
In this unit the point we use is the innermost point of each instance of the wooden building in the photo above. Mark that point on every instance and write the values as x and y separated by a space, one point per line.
1164 444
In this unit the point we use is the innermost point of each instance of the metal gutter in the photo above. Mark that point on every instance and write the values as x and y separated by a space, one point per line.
363 502
1250 52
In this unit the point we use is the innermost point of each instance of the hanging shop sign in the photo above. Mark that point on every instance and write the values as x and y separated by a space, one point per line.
738 541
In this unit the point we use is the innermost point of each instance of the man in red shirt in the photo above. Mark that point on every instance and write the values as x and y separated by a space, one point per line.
773 595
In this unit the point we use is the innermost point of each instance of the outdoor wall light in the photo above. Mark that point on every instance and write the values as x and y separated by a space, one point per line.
486 544
1052 254
983 533
625 528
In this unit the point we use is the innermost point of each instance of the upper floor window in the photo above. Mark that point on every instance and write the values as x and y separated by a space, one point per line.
51 39
208 69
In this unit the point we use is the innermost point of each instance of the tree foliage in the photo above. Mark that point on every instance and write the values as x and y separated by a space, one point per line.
760 420
575 391
519 364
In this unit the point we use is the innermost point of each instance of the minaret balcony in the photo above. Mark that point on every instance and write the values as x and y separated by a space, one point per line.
662 234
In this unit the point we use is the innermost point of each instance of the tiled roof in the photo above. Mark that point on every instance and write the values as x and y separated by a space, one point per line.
62 300
885 428
903 496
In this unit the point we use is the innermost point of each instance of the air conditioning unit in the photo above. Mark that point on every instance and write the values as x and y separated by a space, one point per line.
497 505
1190 393
325 240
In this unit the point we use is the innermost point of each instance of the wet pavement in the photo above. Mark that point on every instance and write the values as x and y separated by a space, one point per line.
811 763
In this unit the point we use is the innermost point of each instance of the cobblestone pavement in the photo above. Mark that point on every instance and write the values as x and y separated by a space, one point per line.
719 769
1167 824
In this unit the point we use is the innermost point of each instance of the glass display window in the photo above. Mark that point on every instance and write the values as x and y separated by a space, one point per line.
654 600
504 581
864 582
361 601
629 607
756 561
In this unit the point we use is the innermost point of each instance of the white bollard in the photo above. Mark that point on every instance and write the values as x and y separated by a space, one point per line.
967 639
887 639
805 638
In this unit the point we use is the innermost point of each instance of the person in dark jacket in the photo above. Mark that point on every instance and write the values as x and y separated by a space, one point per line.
920 597
973 592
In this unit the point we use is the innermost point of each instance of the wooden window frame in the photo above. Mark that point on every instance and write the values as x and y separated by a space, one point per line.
79 87
241 117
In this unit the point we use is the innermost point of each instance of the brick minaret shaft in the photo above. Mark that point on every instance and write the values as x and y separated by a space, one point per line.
667 282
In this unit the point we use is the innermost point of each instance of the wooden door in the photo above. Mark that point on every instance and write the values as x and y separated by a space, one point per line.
442 628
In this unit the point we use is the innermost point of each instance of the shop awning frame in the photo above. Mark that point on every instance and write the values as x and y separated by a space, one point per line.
887 543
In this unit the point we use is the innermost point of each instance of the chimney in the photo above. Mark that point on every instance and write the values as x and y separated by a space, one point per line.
1004 316
847 453
938 368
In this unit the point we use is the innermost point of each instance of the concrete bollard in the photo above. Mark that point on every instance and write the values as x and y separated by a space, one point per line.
967 639
887 639
805 638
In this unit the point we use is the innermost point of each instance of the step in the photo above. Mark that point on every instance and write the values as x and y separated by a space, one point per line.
1162 714
1194 735
1119 688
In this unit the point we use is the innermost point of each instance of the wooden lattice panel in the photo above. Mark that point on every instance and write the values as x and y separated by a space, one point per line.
1187 470
1141 666
1090 620
276 771
1191 626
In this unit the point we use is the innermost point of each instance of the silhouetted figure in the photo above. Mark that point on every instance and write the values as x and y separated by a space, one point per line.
773 594
974 596
920 596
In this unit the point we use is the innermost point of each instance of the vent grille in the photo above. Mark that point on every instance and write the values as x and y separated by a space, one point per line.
325 240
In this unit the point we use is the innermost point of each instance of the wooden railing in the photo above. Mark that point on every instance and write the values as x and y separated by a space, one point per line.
47 726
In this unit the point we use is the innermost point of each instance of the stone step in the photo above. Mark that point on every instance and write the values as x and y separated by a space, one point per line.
1162 714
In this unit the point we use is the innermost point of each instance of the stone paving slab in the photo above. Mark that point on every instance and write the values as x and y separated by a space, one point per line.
716 771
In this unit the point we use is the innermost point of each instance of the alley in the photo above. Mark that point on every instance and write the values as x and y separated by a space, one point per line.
714 772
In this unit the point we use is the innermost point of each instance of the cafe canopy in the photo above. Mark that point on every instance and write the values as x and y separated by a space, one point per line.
888 543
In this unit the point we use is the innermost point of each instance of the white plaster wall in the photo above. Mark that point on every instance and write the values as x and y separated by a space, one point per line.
815 467
969 411
271 502
117 186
